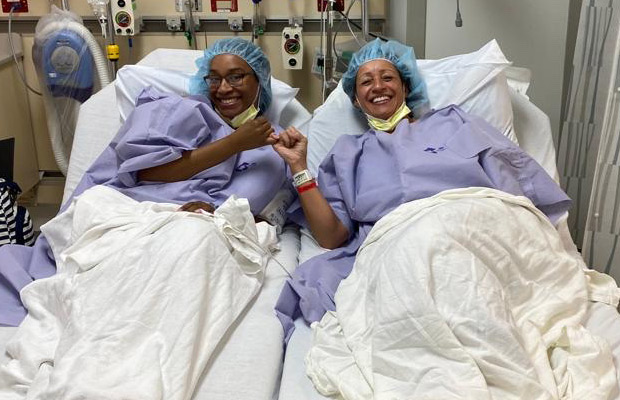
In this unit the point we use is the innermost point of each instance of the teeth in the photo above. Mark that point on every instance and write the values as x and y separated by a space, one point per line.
380 98
228 101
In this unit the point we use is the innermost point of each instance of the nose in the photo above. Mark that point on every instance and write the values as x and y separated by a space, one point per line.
224 87
377 84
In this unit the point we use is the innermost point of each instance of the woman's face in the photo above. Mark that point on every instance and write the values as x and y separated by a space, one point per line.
231 100
379 89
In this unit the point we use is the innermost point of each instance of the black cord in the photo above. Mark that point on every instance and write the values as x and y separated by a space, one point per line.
21 73
360 28
458 21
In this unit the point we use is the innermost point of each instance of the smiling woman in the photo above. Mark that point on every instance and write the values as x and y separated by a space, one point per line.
235 75
233 86
408 154
380 91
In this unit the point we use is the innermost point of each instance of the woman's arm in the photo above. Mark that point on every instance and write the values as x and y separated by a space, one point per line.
252 134
326 227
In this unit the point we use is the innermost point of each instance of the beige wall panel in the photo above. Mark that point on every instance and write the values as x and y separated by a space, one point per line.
16 123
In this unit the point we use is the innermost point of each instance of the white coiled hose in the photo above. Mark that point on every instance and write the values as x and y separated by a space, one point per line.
61 152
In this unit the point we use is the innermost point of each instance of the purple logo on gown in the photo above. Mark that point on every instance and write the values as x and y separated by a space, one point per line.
245 166
434 150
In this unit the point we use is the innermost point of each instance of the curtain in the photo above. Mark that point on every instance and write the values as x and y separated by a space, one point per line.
588 143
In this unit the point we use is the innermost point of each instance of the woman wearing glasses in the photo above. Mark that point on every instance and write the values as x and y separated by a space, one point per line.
195 151
216 144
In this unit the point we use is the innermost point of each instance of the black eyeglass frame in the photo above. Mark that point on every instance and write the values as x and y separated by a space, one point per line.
215 82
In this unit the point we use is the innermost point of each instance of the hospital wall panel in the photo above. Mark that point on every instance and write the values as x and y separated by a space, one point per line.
269 8
531 33
14 117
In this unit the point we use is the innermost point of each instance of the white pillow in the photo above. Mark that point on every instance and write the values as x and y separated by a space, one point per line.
131 79
476 82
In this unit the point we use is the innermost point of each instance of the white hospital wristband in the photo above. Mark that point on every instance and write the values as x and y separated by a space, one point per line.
302 177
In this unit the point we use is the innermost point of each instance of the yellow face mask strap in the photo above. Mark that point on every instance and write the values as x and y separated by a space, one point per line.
249 114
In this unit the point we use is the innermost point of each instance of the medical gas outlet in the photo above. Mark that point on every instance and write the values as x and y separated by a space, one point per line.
292 48
18 6
125 19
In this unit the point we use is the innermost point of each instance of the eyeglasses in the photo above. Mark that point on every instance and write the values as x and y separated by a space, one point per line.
234 80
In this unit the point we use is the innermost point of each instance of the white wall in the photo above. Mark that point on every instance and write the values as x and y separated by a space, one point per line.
406 22
532 34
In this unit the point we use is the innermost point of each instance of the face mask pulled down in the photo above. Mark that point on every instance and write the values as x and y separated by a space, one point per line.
387 125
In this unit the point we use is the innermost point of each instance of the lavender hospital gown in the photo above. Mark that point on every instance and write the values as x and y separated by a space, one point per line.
157 132
365 177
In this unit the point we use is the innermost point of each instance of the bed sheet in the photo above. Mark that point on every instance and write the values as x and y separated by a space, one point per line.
601 319
247 364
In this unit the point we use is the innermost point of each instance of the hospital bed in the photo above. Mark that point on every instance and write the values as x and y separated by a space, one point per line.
248 361
477 82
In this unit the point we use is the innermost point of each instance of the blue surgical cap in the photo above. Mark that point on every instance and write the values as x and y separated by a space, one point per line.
403 59
251 54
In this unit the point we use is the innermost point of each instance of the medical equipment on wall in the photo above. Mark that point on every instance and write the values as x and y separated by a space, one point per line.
17 6
224 6
68 60
174 24
332 60
292 47
258 23
125 17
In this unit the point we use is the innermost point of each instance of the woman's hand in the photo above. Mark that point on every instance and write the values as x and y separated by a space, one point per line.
292 146
252 134
195 206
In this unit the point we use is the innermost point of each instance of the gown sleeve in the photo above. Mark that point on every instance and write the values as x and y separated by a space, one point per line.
158 132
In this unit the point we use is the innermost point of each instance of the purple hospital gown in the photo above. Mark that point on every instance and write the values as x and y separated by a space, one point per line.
157 132
365 177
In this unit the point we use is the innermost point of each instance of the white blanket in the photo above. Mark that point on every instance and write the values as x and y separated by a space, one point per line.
465 295
142 296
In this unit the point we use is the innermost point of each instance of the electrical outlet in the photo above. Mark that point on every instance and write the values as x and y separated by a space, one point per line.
173 23
18 6
235 24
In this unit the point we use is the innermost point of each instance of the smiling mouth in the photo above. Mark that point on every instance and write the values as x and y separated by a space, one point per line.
380 100
231 102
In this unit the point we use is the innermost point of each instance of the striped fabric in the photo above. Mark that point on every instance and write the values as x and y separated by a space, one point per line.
15 223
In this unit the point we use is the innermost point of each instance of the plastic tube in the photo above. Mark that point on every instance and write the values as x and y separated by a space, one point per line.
60 154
